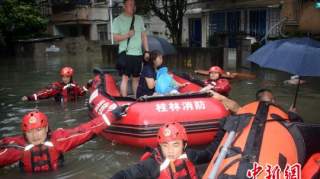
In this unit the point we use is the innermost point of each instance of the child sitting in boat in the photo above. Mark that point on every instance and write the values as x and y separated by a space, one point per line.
171 159
65 90
216 83
165 83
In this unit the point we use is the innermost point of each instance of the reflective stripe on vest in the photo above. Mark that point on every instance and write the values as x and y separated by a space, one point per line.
39 157
166 162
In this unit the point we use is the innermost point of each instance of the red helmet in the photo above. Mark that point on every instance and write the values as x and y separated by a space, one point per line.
216 69
66 71
172 131
33 120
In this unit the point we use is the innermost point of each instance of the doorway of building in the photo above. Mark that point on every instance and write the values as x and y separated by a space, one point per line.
195 32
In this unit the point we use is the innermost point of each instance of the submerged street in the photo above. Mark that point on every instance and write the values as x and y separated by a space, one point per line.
100 158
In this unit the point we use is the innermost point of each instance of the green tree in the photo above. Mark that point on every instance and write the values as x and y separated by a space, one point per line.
171 12
20 19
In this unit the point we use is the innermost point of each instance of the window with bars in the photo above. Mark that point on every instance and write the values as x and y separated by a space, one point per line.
100 1
216 22
103 32
257 22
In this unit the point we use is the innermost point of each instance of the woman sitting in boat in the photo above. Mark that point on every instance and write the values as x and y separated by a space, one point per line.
171 159
147 81
165 83
216 82
65 90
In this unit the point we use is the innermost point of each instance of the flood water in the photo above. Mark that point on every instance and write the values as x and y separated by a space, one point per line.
99 158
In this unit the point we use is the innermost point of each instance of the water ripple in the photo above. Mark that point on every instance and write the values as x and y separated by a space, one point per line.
9 120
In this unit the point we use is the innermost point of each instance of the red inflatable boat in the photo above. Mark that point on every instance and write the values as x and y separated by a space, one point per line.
198 112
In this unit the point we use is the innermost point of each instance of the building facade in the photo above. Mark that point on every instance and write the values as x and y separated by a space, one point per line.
255 18
82 18
90 19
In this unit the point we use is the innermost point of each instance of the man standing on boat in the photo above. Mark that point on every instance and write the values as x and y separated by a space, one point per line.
129 31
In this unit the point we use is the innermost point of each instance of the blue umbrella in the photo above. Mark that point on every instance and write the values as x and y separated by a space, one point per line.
299 56
160 44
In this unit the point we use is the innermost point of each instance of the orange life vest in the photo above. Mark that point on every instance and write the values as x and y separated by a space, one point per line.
183 167
41 158
311 169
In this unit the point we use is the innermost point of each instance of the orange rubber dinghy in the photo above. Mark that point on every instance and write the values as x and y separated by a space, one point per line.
267 139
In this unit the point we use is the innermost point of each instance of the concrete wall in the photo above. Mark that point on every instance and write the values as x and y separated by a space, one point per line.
81 15
185 31
205 29
155 26
84 13
290 9
186 58
55 30
68 46
310 19
98 14
94 32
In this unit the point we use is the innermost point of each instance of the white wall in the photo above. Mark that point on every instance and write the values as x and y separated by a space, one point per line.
204 28
185 31
55 30
98 13
155 26
94 32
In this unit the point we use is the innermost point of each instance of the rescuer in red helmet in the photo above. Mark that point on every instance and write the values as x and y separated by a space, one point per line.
216 83
171 159
65 90
39 150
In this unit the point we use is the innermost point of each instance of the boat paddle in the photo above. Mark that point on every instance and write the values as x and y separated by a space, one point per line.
229 75
233 125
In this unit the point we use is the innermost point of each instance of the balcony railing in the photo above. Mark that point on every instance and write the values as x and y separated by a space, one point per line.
67 5
56 3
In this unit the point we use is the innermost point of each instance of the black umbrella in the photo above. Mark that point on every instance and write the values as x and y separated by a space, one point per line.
160 44
299 56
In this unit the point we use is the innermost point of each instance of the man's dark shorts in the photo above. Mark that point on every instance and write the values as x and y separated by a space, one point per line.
132 66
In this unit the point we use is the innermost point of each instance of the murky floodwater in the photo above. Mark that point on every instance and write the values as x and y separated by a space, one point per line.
99 158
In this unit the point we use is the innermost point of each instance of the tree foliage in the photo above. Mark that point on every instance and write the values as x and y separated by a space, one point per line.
171 12
20 19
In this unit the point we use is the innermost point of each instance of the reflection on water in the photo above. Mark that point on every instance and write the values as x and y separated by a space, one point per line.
99 158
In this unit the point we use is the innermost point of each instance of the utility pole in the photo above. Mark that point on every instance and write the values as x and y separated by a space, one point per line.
110 19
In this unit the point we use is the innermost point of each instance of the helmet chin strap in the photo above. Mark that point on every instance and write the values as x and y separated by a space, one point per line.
30 146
